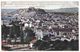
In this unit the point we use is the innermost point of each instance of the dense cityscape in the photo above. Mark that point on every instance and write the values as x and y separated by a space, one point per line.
36 29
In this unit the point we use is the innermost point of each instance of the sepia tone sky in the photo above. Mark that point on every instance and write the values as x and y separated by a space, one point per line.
38 4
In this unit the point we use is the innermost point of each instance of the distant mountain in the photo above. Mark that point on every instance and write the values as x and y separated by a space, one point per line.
8 10
64 10
28 12
31 12
7 14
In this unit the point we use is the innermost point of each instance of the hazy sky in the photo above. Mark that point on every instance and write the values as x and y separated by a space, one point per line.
38 4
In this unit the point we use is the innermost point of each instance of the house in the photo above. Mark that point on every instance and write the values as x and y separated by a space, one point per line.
62 33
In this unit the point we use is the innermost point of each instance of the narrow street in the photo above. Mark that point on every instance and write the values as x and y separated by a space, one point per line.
17 47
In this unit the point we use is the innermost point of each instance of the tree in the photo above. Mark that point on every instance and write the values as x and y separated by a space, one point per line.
30 35
5 31
15 30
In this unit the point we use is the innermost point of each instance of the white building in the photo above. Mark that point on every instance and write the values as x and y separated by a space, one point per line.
39 34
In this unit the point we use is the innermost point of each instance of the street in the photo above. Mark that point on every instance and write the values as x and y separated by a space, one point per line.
19 47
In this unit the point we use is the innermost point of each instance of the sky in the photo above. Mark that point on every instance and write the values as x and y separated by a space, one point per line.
38 4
